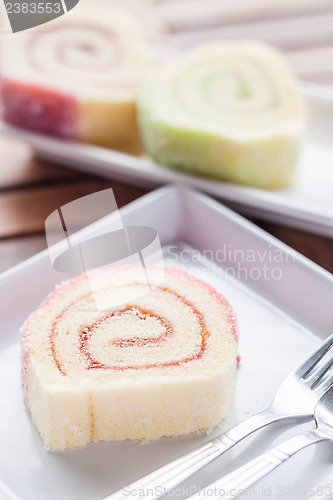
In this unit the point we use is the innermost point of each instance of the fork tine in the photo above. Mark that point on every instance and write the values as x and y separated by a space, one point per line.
304 370
324 385
316 377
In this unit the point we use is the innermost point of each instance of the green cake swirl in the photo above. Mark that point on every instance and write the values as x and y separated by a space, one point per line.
227 110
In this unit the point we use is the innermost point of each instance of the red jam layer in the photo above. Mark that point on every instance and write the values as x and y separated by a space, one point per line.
86 332
39 109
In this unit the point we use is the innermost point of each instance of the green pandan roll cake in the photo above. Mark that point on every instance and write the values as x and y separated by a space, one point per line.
230 110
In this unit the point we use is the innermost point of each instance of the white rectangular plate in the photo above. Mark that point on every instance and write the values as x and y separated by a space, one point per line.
284 307
308 204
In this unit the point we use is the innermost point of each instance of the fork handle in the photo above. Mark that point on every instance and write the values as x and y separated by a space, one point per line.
234 484
159 482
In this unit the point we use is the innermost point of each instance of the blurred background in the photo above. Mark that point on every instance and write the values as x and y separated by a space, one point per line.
31 189
302 29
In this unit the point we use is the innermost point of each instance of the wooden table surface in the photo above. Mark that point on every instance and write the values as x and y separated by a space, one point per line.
31 189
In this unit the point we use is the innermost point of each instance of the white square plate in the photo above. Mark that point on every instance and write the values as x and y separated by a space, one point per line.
284 307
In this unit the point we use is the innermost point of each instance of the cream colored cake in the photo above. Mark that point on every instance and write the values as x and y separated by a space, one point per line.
161 364
76 78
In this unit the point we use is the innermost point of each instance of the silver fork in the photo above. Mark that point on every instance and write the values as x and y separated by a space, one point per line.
234 484
295 399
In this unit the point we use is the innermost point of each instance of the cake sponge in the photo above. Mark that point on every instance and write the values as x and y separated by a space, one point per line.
229 110
77 78
162 363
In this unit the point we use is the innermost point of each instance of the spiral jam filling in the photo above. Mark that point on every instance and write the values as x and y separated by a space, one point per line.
87 332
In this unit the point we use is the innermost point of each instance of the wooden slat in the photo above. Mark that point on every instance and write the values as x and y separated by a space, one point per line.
19 168
16 249
24 212
37 172
314 247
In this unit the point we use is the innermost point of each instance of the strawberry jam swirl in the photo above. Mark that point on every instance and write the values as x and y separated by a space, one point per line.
86 332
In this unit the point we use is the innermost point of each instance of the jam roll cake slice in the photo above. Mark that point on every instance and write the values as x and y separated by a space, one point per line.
229 110
161 364
76 78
